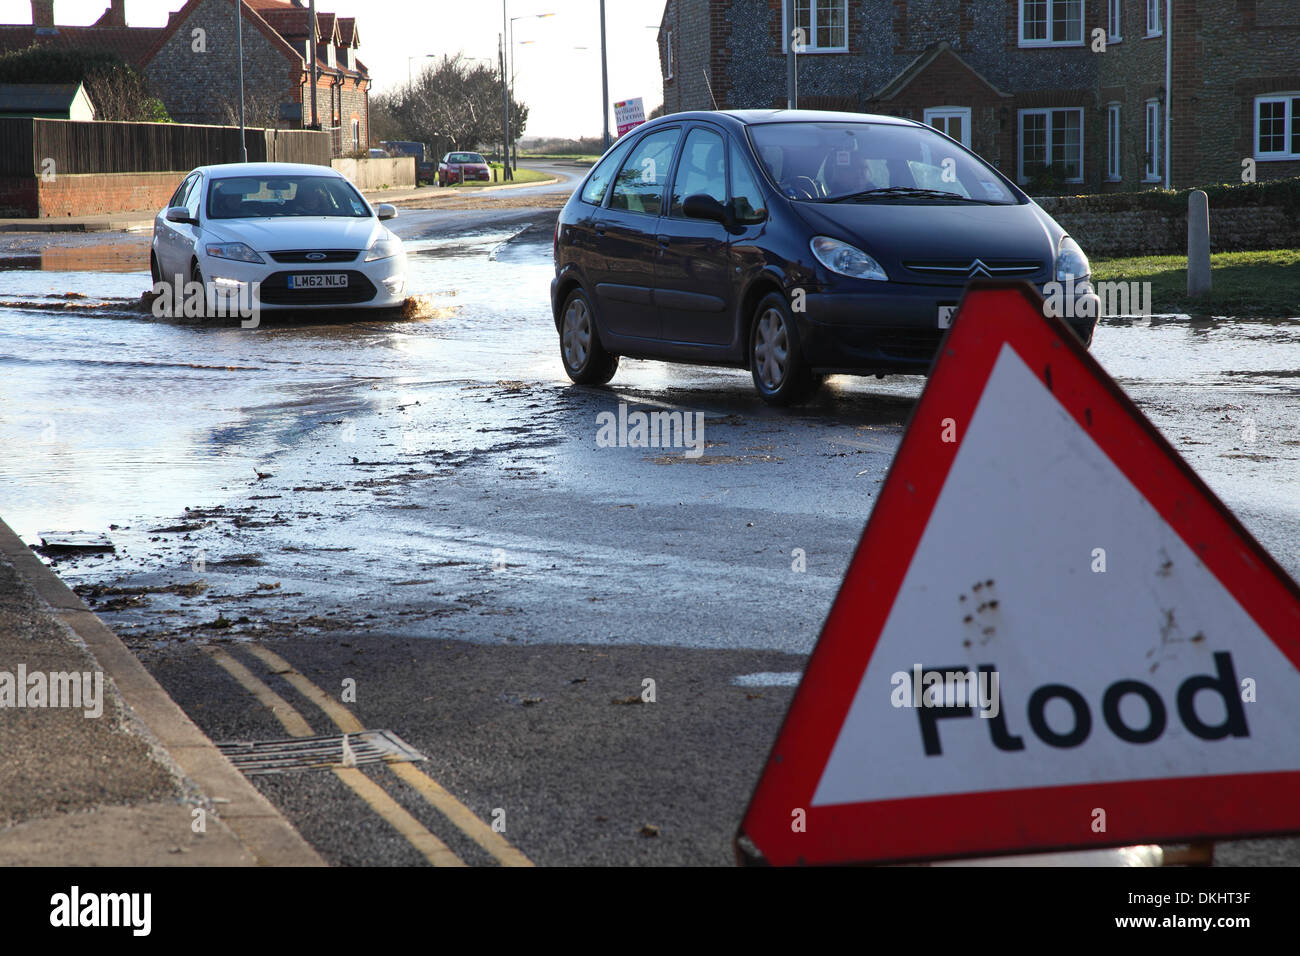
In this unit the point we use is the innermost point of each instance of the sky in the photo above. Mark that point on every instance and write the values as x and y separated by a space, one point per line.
559 83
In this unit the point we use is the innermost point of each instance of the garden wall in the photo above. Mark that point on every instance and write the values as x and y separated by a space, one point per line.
1154 222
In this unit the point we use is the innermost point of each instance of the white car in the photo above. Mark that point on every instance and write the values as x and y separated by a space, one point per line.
303 233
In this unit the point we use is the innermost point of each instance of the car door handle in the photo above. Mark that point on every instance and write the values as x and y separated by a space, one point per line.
599 228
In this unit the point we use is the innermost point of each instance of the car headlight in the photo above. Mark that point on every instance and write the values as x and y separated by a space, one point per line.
845 259
1071 263
239 251
383 249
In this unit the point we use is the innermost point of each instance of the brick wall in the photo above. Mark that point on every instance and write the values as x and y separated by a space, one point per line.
1225 52
692 38
353 105
200 87
89 194
1262 216
18 196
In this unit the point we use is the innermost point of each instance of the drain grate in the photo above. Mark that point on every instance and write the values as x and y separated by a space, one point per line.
318 753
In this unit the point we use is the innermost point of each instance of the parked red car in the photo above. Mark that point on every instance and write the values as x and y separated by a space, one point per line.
463 168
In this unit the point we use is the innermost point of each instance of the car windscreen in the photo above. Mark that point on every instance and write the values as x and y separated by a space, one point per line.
255 197
839 161
466 158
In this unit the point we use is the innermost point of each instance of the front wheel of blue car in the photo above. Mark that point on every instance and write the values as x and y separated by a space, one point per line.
585 360
780 373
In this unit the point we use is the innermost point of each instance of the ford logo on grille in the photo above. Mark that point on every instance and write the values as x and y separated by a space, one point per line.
315 256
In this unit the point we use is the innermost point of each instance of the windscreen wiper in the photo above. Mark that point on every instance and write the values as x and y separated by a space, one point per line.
907 192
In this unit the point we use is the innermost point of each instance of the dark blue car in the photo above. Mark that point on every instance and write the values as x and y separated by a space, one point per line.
793 243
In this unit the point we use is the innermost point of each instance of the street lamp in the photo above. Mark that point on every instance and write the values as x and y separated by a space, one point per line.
418 56
239 43
509 65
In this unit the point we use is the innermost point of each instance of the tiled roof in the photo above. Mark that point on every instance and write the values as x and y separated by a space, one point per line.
37 97
282 20
348 30
133 44
291 24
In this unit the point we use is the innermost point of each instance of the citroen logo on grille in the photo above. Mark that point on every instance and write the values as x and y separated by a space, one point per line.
318 256
978 268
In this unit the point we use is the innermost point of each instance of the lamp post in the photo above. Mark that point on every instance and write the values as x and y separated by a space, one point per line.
604 80
239 52
418 56
510 54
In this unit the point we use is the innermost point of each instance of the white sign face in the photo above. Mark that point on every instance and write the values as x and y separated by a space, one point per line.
1052 636
1118 655
629 114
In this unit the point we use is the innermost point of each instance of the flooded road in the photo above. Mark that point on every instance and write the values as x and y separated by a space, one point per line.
402 496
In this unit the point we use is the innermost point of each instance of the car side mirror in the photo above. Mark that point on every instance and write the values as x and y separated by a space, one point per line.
178 214
386 211
701 206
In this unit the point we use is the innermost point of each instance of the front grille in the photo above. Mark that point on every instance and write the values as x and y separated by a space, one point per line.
275 291
330 255
968 268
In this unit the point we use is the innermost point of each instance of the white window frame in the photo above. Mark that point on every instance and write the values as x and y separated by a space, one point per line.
668 56
1114 133
330 58
811 46
1291 117
947 112
356 134
1155 25
1024 42
1020 138
1114 26
1153 144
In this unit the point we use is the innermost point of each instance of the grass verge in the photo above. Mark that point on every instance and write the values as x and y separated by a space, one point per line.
1257 284
522 175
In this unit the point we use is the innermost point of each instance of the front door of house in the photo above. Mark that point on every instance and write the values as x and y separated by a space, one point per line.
952 120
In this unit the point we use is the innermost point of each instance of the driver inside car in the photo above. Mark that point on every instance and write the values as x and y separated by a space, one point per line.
313 200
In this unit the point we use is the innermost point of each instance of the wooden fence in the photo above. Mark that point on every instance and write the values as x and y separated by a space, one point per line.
32 147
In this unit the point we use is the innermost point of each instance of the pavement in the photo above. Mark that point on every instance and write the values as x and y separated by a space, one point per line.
124 778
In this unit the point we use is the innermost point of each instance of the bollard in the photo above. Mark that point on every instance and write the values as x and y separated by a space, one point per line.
1198 243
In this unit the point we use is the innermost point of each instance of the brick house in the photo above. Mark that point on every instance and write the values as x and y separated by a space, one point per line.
1077 86
191 62
195 73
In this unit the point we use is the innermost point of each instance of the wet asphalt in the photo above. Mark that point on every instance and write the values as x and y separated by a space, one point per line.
417 503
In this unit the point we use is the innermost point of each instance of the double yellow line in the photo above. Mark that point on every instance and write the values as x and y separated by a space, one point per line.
434 850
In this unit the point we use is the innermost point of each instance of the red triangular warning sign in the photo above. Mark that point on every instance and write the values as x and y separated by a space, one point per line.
1052 635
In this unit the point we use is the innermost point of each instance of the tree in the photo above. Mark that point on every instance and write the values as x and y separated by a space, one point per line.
261 108
453 104
115 89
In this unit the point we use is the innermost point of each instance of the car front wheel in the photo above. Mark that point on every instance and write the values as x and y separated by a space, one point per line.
780 373
585 360
196 276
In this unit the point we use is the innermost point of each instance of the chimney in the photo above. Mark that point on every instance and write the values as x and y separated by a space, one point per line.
43 13
116 14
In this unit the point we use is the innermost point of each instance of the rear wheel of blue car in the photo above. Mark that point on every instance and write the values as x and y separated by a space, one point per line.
585 359
780 373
